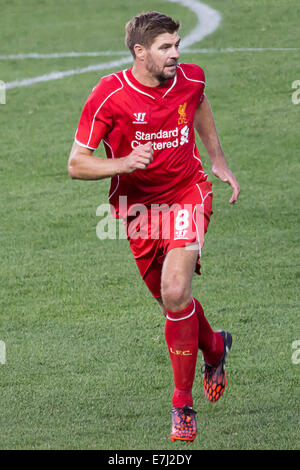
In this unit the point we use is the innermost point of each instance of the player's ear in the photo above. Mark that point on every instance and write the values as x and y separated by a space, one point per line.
139 51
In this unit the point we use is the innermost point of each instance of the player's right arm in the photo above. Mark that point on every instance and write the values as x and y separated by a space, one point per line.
84 165
96 121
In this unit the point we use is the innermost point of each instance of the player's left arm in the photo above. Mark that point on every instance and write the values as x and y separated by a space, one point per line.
205 125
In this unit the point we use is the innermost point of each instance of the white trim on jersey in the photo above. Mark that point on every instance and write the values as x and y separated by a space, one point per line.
143 92
199 160
210 192
82 145
200 192
203 198
190 79
173 84
134 87
94 117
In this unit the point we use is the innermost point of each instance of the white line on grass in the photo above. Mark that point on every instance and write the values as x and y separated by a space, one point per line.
208 21
241 49
58 75
62 55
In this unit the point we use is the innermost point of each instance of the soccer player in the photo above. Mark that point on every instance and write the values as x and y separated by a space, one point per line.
146 116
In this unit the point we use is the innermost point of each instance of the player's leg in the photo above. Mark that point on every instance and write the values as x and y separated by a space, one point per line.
181 334
186 330
177 274
162 307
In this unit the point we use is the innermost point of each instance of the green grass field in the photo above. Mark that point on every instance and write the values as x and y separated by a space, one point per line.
86 362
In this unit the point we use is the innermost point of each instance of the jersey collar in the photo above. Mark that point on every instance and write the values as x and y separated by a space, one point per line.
155 93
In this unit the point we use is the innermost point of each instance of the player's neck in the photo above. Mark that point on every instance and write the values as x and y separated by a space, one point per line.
145 78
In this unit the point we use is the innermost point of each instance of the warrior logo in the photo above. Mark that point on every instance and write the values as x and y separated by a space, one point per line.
139 118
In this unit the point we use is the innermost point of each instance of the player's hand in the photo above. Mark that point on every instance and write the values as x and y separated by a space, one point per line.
227 176
138 159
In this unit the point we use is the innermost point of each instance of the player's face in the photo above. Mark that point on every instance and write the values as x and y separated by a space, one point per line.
162 57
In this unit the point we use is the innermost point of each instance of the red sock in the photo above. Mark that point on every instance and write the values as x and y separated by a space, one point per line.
210 342
181 333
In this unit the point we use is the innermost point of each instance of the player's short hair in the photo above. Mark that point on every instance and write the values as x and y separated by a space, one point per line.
145 27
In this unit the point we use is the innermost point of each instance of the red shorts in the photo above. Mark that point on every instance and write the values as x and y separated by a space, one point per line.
155 230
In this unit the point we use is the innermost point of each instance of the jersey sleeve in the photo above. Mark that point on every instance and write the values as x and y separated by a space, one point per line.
195 75
96 118
199 72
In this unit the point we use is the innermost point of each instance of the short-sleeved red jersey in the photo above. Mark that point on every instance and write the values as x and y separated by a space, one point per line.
124 114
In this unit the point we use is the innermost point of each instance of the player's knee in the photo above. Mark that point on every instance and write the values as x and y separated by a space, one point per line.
175 294
162 307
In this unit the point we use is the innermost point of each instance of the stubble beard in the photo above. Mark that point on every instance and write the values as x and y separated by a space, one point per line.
162 75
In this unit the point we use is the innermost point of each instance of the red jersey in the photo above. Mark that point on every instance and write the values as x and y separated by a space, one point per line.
124 114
